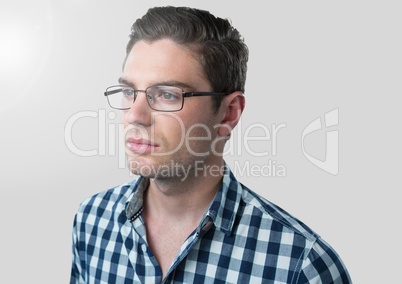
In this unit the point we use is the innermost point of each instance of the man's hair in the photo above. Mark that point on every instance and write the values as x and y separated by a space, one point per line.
217 45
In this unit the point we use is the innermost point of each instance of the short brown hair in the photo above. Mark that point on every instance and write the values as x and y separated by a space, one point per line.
217 45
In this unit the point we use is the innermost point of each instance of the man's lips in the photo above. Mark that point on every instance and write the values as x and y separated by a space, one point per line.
140 145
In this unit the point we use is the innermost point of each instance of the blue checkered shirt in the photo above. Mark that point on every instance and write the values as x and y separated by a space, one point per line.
242 238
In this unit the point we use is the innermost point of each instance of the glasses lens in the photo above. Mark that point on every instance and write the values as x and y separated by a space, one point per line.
165 98
120 97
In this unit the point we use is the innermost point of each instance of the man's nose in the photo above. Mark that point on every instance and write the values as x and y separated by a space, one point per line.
140 111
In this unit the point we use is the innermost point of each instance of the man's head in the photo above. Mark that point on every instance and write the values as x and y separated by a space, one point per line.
193 52
215 44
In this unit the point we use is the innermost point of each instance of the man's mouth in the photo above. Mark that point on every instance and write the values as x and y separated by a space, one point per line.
140 145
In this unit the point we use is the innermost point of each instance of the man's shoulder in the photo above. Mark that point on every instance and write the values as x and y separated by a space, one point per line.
273 213
315 259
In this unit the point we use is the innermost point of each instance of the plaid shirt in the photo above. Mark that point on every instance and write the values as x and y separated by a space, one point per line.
242 238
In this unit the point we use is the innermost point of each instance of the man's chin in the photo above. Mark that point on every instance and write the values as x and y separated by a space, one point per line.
145 171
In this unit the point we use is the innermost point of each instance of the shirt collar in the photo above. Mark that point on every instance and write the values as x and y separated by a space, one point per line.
222 211
224 207
134 204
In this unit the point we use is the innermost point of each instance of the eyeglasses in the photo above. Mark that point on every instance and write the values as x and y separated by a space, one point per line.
160 98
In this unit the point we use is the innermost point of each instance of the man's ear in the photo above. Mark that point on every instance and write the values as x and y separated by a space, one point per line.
231 109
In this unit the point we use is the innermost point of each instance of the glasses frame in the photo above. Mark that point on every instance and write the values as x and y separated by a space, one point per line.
184 95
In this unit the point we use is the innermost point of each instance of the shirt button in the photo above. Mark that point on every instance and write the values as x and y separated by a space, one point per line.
144 247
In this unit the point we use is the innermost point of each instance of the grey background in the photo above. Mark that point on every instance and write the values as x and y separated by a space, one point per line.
306 59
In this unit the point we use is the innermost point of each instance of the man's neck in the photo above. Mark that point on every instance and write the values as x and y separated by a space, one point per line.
183 200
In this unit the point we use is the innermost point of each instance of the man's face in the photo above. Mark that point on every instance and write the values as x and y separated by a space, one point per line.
157 140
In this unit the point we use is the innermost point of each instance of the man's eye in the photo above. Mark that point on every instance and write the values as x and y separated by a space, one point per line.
128 92
167 96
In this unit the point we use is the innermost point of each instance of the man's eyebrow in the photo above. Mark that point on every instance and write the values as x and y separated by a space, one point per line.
181 85
125 82
171 83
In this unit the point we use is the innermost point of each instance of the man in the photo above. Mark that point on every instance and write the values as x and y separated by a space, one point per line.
187 219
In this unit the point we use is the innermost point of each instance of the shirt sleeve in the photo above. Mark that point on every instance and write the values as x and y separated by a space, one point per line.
76 268
323 265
